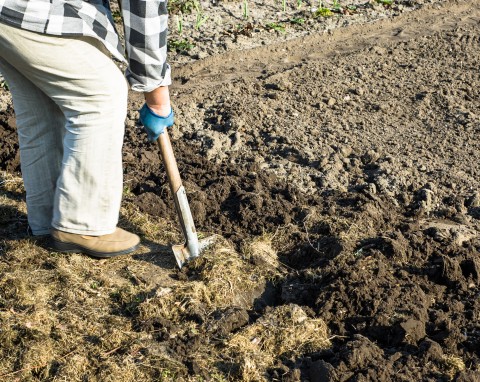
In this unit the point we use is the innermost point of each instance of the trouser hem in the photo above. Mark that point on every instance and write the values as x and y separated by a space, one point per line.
40 232
97 232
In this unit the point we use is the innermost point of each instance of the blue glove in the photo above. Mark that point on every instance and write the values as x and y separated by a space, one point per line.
153 123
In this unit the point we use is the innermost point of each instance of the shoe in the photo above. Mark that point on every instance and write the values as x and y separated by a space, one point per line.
117 243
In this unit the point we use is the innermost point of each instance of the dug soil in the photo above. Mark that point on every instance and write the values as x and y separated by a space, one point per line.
356 153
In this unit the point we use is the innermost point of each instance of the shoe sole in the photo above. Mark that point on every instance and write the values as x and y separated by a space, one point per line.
61 246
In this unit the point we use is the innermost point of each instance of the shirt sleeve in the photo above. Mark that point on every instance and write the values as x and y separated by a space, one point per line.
146 25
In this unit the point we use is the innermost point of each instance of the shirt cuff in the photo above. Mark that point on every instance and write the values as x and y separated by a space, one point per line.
146 84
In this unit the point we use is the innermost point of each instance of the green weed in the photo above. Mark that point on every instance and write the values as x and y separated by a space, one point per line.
323 12
179 45
336 5
297 20
385 2
276 27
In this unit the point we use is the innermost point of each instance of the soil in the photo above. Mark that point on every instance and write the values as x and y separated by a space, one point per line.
356 150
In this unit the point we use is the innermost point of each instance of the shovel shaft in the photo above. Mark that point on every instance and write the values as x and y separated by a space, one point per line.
169 161
191 247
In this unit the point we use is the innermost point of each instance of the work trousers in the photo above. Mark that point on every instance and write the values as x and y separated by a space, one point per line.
70 103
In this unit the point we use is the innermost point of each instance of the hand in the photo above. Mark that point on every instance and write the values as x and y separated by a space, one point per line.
153 123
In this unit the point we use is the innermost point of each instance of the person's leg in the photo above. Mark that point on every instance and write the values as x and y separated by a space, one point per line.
40 126
91 92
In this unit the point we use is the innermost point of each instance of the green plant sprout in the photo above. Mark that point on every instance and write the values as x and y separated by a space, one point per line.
385 2
179 24
299 3
276 27
179 45
322 11
201 17
297 20
336 5
245 9
284 5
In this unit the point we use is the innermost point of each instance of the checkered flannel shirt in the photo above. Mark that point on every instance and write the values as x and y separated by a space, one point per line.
145 25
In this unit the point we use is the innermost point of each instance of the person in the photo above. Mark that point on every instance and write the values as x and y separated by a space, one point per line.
70 102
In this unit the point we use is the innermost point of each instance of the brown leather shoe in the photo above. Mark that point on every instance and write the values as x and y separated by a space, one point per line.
117 243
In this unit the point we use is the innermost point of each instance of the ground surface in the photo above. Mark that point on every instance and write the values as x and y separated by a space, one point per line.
340 168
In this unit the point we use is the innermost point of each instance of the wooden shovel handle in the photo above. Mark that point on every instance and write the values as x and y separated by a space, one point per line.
169 161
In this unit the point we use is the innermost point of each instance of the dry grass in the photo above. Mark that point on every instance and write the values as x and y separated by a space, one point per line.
72 318
286 330
11 183
221 278
54 323
60 316
261 251
453 365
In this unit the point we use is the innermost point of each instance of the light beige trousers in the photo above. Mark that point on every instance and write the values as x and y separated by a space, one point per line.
70 102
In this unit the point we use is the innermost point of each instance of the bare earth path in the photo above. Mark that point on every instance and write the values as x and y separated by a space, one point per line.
351 157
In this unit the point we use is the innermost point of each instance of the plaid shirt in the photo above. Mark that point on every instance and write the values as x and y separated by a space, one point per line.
145 24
